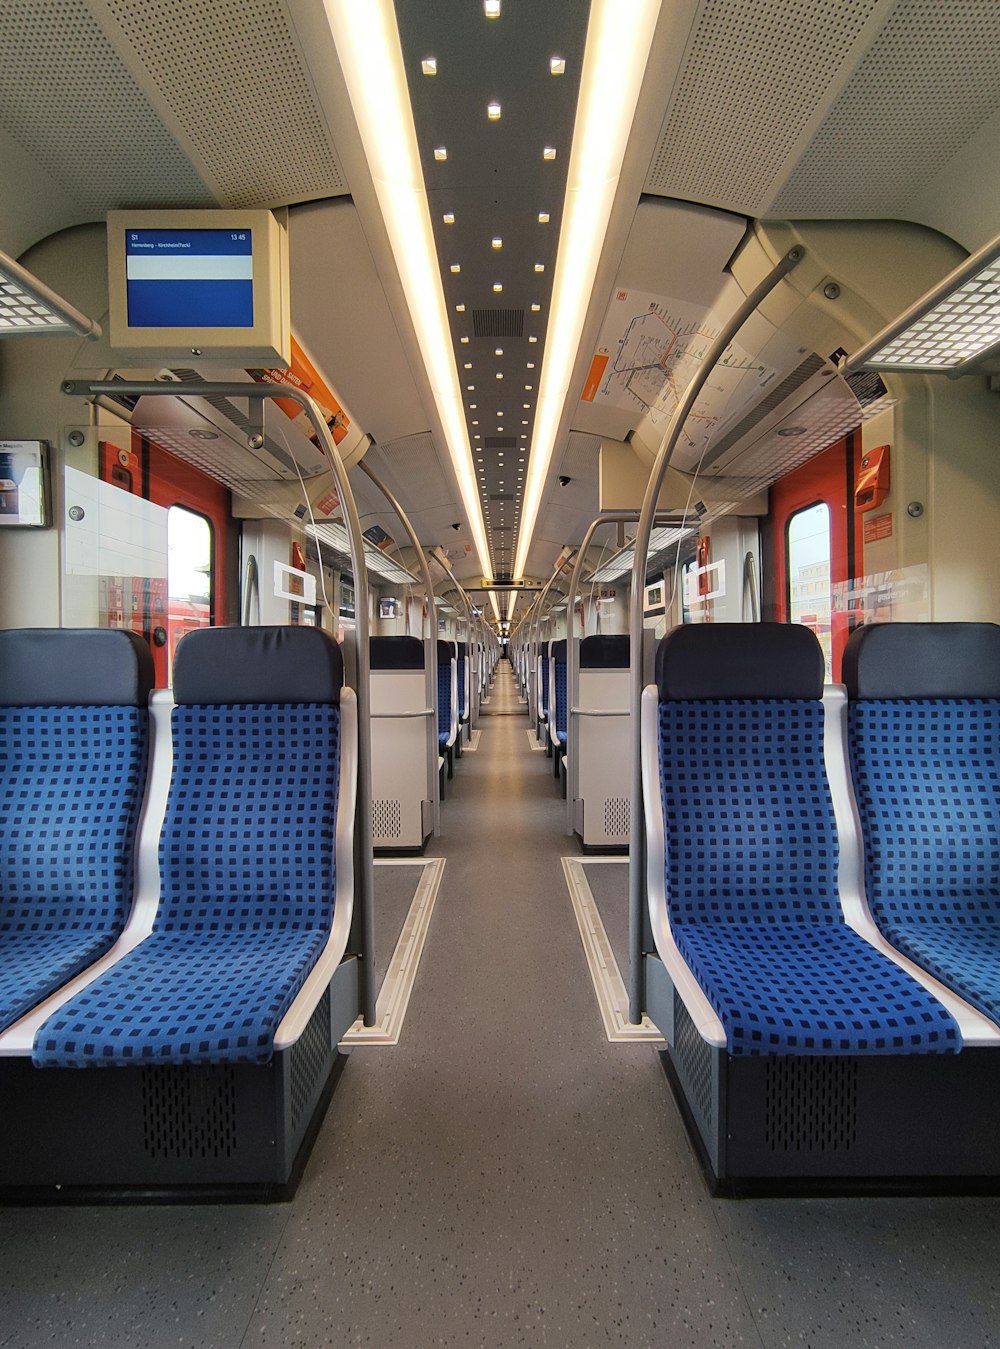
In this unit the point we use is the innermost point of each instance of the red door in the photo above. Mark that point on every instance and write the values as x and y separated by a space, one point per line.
806 564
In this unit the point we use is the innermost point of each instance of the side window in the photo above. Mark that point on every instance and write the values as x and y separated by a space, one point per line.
189 575
808 556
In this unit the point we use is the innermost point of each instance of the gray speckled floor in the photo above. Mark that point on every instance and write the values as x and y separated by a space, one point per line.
504 1176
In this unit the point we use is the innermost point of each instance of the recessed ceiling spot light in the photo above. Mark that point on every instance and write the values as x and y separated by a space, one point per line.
449 217
543 217
456 267
463 339
529 387
792 431
557 65
441 152
498 351
468 365
549 152
493 111
429 65
460 309
491 8
525 406
475 423
470 387
474 407
497 287
530 365
539 266
497 241
532 339
536 308
499 374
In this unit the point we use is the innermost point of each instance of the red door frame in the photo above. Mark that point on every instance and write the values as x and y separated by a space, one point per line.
170 481
830 478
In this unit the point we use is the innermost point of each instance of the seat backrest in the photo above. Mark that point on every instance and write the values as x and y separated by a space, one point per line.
249 834
605 651
749 827
924 741
445 654
74 741
463 682
558 658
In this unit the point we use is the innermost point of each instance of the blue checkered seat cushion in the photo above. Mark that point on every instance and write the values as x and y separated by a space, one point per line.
751 880
71 786
544 677
927 780
559 681
248 873
444 705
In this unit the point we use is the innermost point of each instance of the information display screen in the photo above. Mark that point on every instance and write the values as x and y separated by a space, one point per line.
189 278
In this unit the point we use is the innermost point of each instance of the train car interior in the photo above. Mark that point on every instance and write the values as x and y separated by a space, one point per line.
500 673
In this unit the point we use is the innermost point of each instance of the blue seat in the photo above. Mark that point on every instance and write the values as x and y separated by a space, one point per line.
247 861
74 733
751 854
924 738
447 708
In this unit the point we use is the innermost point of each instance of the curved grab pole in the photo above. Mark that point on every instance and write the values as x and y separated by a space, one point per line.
623 517
430 666
637 836
364 867
251 587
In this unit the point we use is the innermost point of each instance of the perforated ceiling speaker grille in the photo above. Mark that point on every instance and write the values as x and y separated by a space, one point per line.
107 150
498 322
753 74
233 76
927 85
500 442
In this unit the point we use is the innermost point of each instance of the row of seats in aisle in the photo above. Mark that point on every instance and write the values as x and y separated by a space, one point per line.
589 743
177 897
413 742
824 893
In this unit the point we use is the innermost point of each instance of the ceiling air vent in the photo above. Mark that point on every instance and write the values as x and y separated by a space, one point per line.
498 322
501 496
775 398
500 442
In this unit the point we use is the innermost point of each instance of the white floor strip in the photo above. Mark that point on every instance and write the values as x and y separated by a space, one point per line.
612 998
533 742
473 744
394 995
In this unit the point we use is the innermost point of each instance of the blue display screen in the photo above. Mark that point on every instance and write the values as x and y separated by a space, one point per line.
189 278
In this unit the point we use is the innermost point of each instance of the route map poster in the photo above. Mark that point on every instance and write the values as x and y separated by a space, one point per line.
649 348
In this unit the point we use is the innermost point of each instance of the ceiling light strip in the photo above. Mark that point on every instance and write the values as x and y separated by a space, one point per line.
367 42
950 329
29 307
613 65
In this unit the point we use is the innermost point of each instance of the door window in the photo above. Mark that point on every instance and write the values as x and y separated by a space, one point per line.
808 555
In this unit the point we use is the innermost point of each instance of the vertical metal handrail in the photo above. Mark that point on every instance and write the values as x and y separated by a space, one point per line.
637 831
430 665
257 393
621 517
251 587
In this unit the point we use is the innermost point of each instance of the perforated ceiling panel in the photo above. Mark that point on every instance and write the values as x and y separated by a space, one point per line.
232 74
103 151
754 72
929 82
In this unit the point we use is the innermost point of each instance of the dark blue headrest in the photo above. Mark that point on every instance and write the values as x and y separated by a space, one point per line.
397 653
923 660
446 651
559 651
603 652
739 660
82 667
461 649
217 666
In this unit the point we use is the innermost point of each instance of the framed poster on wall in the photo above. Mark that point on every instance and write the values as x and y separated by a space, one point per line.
24 483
